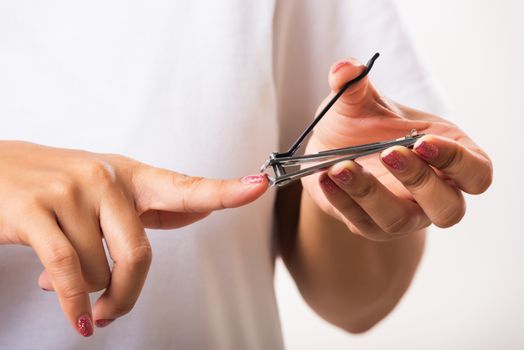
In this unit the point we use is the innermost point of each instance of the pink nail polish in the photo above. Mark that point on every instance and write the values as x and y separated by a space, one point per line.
104 322
395 160
339 65
85 325
328 184
345 176
427 150
253 179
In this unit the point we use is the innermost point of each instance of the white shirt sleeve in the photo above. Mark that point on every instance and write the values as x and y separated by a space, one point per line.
311 35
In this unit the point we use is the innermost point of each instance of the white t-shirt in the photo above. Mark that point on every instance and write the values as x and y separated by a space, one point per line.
207 88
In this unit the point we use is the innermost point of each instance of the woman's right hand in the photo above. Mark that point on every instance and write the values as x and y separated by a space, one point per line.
63 202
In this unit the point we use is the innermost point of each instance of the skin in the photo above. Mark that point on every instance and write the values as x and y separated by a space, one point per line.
356 233
351 242
63 203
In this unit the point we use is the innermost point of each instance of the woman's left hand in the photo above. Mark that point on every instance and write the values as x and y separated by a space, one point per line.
402 190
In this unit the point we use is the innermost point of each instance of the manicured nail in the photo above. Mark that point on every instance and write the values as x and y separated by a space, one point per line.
345 176
328 184
103 323
395 160
427 150
253 179
340 65
85 325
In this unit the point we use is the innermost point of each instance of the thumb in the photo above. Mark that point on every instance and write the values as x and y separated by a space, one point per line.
359 98
161 189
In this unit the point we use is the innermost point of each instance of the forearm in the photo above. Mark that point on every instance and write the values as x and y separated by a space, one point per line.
350 281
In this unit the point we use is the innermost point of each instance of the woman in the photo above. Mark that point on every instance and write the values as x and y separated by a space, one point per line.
210 89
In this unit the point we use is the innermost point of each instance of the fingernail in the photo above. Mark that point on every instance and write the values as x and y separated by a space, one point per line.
85 325
253 179
328 185
427 150
103 323
345 176
340 65
46 290
395 160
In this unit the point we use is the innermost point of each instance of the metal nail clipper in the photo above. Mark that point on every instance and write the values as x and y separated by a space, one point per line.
281 162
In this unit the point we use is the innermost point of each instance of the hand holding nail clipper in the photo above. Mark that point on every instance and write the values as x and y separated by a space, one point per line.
403 190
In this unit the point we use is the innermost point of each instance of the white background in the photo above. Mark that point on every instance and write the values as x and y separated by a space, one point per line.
469 290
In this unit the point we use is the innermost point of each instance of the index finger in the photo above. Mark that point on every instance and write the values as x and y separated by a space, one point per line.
162 189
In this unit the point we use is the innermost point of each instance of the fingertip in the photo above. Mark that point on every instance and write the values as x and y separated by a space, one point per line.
256 184
425 138
346 63
84 326
394 158
344 71
102 318
257 179
345 165
400 149
327 185
84 322
245 190
81 320
427 147
103 322
44 283
357 98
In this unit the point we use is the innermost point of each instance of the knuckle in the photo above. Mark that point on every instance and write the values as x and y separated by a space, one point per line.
454 158
100 171
140 256
345 207
64 187
366 188
71 293
450 215
222 185
182 181
398 225
364 225
61 258
184 185
379 236
417 179
114 158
